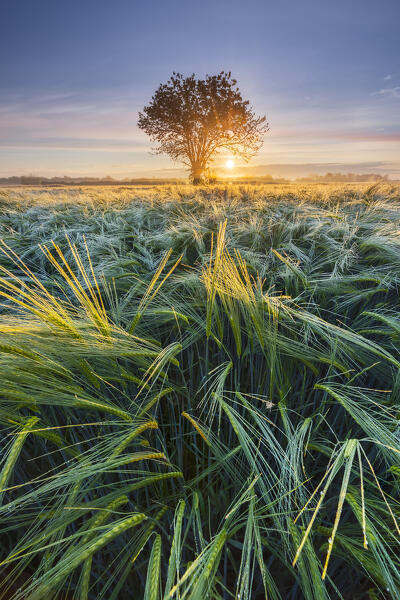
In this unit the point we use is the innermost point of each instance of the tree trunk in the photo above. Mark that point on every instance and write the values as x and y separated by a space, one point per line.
197 174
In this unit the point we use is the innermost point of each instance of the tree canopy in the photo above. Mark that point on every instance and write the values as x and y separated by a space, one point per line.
193 119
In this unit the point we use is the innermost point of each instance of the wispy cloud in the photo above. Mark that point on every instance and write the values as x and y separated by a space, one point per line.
69 121
393 92
350 135
90 146
387 77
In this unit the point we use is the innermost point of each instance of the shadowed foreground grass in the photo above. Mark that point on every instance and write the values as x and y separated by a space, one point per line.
200 393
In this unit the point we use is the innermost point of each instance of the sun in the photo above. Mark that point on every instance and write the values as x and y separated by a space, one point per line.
229 164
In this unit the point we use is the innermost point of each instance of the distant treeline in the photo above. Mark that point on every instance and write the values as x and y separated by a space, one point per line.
343 177
62 181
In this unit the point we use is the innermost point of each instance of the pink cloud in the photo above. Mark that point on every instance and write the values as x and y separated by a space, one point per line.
351 136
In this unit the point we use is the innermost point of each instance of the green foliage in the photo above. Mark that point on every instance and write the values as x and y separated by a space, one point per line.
199 393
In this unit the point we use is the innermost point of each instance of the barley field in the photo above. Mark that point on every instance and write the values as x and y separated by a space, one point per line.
200 392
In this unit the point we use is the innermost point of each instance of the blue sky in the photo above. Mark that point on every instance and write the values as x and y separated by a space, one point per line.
73 76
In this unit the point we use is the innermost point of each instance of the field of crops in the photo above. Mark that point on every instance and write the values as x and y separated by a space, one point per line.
200 393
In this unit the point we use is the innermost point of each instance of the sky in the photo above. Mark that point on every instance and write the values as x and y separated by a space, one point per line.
74 74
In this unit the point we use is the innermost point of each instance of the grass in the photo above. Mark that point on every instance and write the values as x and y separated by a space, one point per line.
200 393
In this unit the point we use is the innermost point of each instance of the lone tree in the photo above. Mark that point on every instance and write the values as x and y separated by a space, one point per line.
192 119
